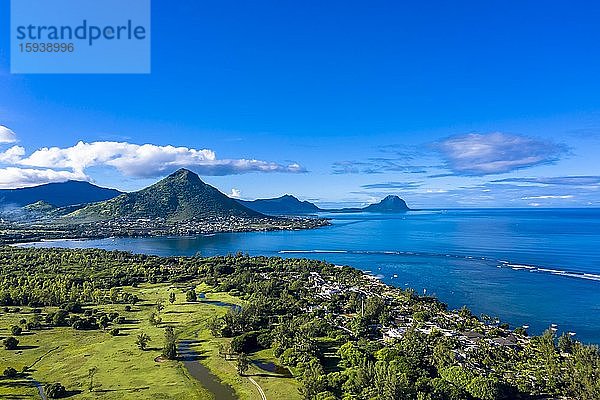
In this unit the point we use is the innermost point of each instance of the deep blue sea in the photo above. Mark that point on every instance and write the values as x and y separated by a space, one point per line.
527 267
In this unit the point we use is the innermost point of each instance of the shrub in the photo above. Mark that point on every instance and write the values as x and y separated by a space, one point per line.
16 330
60 318
10 372
142 341
154 319
11 343
103 321
190 296
55 390
72 307
84 324
35 323
114 331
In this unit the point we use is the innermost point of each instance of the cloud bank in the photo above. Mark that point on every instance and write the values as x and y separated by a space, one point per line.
394 185
377 165
12 177
495 153
53 164
581 180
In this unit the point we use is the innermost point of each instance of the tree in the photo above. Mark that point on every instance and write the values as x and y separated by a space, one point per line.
142 340
484 388
565 343
243 364
170 347
351 355
190 296
159 306
35 323
16 330
520 331
172 297
459 376
312 382
91 372
11 343
55 390
583 372
154 319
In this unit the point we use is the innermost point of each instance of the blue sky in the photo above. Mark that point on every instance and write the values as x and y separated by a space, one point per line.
447 104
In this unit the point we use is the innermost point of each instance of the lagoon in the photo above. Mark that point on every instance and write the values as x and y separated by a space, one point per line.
532 267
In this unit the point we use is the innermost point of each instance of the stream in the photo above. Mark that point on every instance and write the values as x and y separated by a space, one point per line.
207 379
191 362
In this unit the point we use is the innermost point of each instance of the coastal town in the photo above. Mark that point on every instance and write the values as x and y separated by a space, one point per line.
11 232
141 227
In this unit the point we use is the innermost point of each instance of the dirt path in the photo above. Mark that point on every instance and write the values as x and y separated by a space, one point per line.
39 388
262 393
38 385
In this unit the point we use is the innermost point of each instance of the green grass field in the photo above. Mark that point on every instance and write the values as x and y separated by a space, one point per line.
66 355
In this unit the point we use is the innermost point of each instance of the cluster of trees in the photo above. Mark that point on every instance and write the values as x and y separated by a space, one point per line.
283 311
51 277
333 342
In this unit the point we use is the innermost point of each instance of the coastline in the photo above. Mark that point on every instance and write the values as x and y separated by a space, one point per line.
458 270
28 234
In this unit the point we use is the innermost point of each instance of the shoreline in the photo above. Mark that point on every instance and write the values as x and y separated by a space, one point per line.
69 233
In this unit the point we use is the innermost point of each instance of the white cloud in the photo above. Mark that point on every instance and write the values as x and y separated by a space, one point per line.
546 197
495 153
436 191
6 135
235 193
130 159
12 177
133 160
12 155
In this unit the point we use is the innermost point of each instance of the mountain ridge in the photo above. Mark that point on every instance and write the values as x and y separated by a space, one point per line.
58 194
290 205
283 205
180 196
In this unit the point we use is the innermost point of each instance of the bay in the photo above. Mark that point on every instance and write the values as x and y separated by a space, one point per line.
532 267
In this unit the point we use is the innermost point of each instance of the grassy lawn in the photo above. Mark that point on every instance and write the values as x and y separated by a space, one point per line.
66 355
